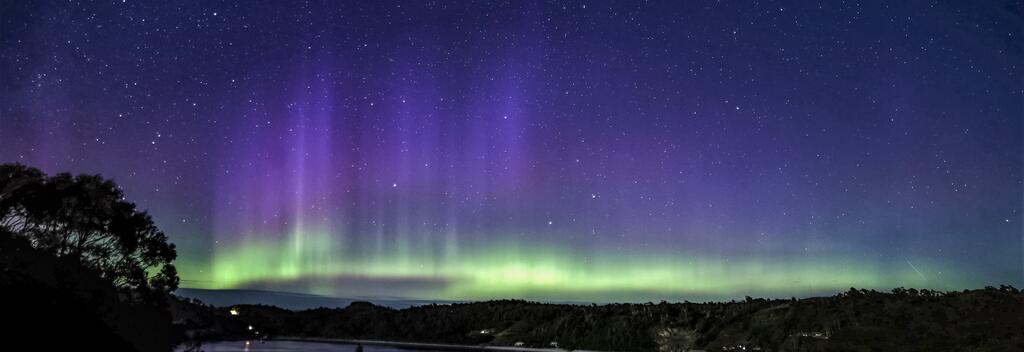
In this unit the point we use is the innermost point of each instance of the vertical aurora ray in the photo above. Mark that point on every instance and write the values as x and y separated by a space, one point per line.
283 189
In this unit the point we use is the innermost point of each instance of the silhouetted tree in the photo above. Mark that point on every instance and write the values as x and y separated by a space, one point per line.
80 267
86 218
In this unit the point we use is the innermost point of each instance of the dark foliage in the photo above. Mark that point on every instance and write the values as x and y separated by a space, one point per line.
202 322
86 218
53 303
904 320
80 267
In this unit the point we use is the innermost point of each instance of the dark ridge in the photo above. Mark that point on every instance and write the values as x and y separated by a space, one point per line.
987 319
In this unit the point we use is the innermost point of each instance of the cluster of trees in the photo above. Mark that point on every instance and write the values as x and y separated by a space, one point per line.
79 260
619 327
923 320
904 319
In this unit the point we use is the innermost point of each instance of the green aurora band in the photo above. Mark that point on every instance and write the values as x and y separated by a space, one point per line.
543 272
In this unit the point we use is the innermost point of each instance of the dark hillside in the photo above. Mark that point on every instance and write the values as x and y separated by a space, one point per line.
988 319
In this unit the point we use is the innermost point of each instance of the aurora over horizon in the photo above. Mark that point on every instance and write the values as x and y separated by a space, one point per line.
560 151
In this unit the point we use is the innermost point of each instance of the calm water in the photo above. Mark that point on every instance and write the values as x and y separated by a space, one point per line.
288 346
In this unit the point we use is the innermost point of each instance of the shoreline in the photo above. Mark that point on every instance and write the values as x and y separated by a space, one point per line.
423 345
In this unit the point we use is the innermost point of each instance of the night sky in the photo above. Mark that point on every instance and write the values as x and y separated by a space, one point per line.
585 151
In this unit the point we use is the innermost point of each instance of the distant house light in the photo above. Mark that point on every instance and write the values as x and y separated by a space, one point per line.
234 311
250 327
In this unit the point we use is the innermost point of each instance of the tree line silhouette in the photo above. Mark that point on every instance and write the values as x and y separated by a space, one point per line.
81 263
987 319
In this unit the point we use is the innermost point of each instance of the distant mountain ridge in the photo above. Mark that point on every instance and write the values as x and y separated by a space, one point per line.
292 300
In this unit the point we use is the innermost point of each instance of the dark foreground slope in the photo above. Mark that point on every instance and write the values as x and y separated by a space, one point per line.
989 319
54 303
